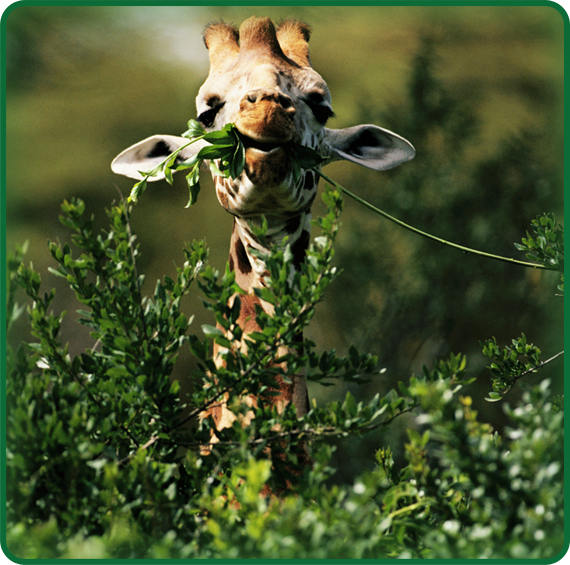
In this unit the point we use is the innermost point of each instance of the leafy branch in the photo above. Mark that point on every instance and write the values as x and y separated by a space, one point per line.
307 432
226 147
512 363
226 156
549 264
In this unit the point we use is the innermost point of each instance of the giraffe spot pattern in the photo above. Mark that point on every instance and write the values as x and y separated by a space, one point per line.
243 264
299 248
309 183
292 225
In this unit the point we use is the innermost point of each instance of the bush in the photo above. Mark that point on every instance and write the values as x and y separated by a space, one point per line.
104 452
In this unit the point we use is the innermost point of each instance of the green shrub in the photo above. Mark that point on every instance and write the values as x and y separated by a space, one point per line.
104 453
104 449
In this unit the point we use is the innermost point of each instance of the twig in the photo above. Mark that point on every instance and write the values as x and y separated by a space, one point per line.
326 431
150 442
202 408
528 372
428 235
538 367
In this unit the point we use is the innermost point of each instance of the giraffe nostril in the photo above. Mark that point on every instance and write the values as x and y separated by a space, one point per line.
285 102
258 95
266 115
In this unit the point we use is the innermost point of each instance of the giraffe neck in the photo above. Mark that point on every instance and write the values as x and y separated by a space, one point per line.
251 270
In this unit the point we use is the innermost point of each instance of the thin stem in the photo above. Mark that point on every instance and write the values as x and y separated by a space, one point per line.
409 508
540 365
324 431
202 408
150 442
537 368
428 235
175 152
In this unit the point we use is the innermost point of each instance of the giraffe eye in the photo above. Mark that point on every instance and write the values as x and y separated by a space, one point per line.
322 113
207 118
320 107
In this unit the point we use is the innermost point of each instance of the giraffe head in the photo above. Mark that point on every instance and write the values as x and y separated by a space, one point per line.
262 81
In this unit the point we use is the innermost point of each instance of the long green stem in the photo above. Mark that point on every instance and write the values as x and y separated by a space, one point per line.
139 187
428 235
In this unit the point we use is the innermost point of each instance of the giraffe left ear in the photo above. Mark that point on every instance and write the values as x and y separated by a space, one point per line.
370 146
148 153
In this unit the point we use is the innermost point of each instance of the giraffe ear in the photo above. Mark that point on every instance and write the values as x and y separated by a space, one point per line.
370 146
148 153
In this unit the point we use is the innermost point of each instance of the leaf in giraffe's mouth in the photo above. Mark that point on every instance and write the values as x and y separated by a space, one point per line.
306 157
226 157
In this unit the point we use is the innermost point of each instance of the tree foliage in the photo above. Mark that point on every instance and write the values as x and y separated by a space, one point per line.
406 299
104 452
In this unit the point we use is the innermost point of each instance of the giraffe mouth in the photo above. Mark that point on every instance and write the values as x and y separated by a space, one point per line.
264 146
267 163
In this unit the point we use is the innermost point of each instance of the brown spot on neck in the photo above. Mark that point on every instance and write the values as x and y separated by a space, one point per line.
293 224
299 248
243 263
309 183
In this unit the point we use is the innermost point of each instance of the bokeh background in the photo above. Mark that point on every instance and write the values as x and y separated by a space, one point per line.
477 90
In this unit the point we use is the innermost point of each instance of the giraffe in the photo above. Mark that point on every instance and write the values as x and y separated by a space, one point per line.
261 80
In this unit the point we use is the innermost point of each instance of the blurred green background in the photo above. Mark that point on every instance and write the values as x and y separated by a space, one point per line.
477 90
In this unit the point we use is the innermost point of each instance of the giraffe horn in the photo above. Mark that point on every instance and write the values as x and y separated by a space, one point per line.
258 34
221 39
293 36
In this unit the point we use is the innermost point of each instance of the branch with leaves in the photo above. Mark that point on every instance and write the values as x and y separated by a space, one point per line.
512 363
226 157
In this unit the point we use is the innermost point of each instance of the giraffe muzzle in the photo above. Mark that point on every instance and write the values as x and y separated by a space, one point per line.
266 116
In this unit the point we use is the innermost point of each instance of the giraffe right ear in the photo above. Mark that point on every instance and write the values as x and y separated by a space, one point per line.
148 153
370 146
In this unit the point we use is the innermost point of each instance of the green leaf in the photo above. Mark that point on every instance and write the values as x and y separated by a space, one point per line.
216 152
211 331
295 167
168 175
192 179
189 163
350 404
137 190
238 161
257 336
306 157
225 136
194 130
215 170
